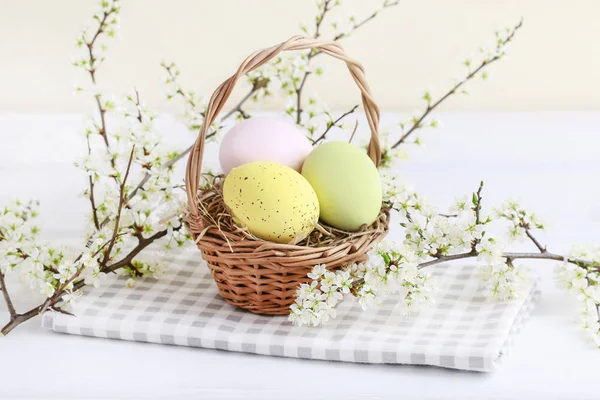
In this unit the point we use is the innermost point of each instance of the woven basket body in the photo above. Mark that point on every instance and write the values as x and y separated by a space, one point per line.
258 275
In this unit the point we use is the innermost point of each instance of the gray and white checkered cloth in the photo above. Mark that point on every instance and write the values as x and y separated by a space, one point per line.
463 330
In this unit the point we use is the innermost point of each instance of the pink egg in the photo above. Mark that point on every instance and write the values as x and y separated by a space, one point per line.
264 139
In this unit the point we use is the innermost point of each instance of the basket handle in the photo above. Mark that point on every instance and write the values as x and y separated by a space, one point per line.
255 60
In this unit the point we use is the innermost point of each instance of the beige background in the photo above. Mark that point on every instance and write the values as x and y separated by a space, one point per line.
554 63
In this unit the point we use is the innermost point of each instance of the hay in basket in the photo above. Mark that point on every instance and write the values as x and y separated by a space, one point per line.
251 273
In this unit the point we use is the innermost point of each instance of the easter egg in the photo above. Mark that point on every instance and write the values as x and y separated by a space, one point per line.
264 139
272 200
347 184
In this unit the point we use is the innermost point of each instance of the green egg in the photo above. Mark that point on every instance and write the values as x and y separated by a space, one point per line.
347 184
272 200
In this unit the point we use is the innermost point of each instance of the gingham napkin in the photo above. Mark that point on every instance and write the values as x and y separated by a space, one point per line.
463 330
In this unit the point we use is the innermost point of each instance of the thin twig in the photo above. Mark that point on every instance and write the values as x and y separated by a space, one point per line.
543 256
122 201
188 99
477 207
320 18
90 44
20 318
442 259
92 70
353 132
138 106
7 299
108 243
93 204
334 123
448 215
366 20
430 107
139 186
258 84
102 131
510 255
541 248
146 177
311 54
60 310
477 210
142 244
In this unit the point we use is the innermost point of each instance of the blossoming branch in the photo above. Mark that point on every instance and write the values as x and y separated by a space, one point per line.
134 204
430 238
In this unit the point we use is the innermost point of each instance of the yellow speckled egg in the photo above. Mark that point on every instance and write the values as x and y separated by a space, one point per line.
347 184
272 200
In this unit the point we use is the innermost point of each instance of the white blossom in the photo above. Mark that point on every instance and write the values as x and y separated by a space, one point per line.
503 281
70 297
583 284
461 204
390 270
489 250
317 272
47 289
315 302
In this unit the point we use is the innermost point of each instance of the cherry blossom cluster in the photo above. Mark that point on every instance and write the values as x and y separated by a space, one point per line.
583 281
464 230
391 269
315 302
43 269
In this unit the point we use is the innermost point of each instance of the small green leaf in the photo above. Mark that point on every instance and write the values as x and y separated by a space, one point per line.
427 97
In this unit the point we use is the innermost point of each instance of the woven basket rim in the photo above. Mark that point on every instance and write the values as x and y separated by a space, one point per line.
218 222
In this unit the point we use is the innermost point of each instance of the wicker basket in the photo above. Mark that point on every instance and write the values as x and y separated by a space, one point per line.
251 273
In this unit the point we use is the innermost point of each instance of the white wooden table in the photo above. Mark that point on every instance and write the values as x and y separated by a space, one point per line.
548 159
